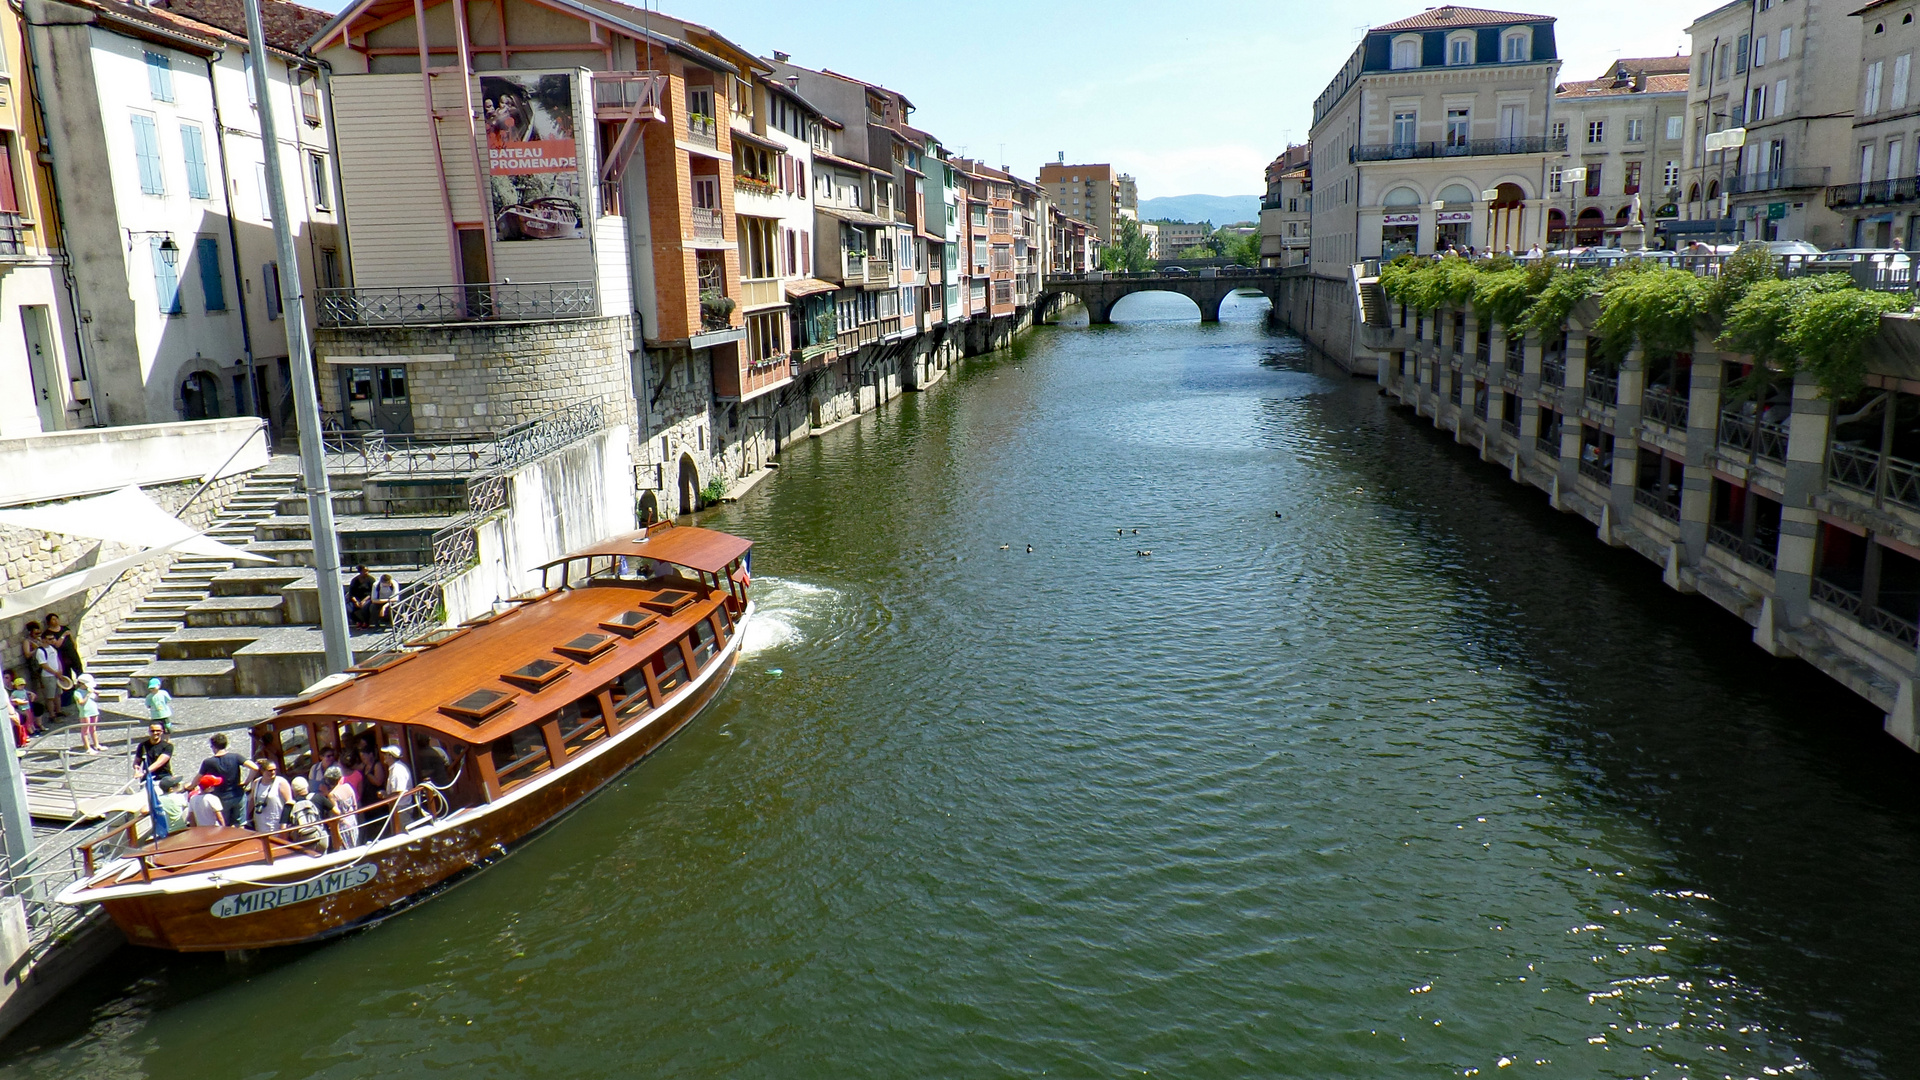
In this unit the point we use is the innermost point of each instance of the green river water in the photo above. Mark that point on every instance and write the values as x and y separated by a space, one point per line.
1415 780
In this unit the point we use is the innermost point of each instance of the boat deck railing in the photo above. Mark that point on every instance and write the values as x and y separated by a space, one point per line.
292 840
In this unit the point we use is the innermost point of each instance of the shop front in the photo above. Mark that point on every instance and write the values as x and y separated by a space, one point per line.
1399 234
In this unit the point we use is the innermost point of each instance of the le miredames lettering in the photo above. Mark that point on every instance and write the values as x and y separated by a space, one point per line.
253 903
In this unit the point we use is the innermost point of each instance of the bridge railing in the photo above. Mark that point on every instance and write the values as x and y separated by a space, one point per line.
1216 273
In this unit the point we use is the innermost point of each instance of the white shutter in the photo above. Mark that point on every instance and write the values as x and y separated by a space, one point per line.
1897 98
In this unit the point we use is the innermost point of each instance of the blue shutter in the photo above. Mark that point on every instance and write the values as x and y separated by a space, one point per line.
166 283
146 151
211 285
194 150
160 76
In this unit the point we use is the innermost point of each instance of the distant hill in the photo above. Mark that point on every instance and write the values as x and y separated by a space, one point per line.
1219 209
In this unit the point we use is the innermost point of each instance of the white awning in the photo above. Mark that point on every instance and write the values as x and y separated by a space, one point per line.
126 516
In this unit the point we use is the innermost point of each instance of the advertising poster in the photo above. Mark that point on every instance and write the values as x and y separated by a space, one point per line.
533 159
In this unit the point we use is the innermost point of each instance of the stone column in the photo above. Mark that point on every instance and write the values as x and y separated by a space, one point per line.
1703 433
1566 403
1529 398
1626 433
1799 525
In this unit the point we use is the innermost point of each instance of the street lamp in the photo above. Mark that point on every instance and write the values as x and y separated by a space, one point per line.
1572 177
1487 195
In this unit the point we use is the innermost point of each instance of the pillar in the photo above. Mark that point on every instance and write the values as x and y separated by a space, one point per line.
1626 433
1806 478
1703 432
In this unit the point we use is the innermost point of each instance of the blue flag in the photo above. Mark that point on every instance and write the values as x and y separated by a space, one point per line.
153 807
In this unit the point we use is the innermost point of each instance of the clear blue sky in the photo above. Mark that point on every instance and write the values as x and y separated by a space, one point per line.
1190 97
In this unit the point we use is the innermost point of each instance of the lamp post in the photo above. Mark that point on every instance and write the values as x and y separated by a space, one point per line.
1487 195
1573 176
306 404
1438 205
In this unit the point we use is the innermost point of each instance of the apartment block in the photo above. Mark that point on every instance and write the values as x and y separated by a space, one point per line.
1627 131
1875 193
1096 194
1286 210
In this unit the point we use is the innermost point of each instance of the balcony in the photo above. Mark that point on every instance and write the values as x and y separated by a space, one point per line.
1877 619
1852 467
1525 144
761 293
1603 389
1664 407
703 131
497 301
752 185
1553 369
1906 189
879 271
1777 180
620 95
1652 501
706 223
1753 554
1747 434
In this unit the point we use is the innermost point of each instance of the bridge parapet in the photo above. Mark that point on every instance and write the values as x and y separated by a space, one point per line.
1209 288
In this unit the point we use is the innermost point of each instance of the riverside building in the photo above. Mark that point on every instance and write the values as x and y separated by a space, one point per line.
1286 210
1875 194
1627 130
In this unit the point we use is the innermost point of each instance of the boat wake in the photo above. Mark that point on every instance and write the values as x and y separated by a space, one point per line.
782 608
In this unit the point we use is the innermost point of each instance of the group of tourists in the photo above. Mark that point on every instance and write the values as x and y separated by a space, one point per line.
52 685
369 602
233 791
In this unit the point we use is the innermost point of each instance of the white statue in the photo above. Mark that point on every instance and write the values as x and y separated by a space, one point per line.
1635 216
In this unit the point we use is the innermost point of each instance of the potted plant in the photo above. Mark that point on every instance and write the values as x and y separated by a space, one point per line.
716 310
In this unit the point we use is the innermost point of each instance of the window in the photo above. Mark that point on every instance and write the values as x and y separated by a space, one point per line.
1515 46
310 98
1870 90
270 283
166 281
1553 178
327 271
322 189
1670 176
1632 182
1406 52
1460 49
1559 129
1902 67
1636 129
1405 126
213 288
1893 159
1866 163
1757 103
1593 181
1740 50
1779 98
266 197
1674 124
160 76
1760 51
1596 132
146 152
193 150
1786 42
1458 126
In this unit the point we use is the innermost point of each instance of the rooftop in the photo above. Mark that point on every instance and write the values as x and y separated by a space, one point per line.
1448 16
1656 84
285 25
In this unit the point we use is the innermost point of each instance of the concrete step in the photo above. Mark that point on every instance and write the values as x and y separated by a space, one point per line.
167 591
236 611
114 648
190 678
285 552
258 580
137 624
207 642
135 638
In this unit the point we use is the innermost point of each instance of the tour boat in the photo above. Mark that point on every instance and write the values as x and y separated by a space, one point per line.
506 722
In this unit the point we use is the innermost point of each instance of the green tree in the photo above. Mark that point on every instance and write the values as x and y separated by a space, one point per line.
1244 250
1130 250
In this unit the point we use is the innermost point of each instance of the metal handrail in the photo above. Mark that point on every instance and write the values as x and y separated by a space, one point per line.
1664 407
1655 503
1397 151
479 301
1604 389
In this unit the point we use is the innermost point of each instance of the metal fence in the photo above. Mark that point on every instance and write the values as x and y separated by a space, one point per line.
1851 466
494 300
1762 438
1604 389
1655 503
1401 151
1900 628
1664 407
1746 552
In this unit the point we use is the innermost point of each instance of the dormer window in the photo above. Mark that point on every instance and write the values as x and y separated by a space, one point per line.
1406 52
1516 46
1460 49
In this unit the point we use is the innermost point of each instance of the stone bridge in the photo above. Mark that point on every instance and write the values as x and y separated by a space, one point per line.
1207 287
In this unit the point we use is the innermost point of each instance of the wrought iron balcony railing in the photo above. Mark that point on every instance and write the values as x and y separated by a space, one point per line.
494 301
1850 466
1653 502
1904 189
1778 180
1664 407
1525 144
1764 438
1604 389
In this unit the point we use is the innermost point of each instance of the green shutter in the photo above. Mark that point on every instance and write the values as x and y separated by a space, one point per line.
211 284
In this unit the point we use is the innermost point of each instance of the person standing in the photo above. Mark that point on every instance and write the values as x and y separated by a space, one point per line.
205 808
231 769
399 782
304 818
46 659
61 638
87 699
173 805
159 705
271 795
345 804
154 757
24 703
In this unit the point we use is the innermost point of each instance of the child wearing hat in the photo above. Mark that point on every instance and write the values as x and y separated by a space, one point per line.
88 699
205 808
159 705
26 705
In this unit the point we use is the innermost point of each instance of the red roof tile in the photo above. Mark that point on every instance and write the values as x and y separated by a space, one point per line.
1449 16
285 25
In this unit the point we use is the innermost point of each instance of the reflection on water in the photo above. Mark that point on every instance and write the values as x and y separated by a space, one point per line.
1375 767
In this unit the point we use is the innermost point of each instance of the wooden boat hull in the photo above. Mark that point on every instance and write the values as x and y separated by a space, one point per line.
294 906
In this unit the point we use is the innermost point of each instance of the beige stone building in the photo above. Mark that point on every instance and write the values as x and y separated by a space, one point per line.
1429 113
1627 129
1286 211
1781 75
1874 191
1091 193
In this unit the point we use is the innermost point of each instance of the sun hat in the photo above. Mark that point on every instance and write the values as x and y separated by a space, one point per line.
299 785
19 683
209 781
391 748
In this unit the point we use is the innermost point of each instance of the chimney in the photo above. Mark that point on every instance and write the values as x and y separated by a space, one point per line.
1063 157
793 83
1639 82
780 57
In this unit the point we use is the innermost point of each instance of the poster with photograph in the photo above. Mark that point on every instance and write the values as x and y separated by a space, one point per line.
533 158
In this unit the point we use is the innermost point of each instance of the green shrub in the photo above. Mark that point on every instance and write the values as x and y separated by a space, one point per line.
1830 332
1556 300
1749 265
1503 296
1652 305
1759 322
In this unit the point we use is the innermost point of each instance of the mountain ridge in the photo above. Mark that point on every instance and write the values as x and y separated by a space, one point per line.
1219 209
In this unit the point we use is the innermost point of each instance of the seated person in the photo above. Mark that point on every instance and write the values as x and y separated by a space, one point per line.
384 594
360 599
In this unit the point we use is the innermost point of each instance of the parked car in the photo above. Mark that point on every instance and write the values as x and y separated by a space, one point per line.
1890 265
1789 247
1174 270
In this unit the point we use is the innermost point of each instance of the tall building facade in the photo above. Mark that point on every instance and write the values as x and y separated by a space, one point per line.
1092 193
1627 131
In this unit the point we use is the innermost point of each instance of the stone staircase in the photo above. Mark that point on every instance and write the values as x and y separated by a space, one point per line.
135 642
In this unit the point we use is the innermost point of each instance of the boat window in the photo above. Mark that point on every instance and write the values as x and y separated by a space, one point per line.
477 705
631 623
586 646
538 674
432 762
439 636
580 722
703 643
669 600
381 661
630 692
519 755
670 668
296 750
723 622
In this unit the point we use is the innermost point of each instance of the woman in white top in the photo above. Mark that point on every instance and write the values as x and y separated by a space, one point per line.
271 795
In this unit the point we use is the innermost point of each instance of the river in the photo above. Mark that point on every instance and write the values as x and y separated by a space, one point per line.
1375 767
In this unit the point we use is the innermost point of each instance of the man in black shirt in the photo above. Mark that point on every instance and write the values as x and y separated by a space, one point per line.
229 767
153 758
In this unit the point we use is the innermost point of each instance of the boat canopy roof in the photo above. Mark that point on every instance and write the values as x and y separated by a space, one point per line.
702 550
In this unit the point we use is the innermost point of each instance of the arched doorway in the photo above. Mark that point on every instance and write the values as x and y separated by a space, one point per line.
1556 228
200 397
1693 193
1713 190
649 509
689 485
1508 211
1589 227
